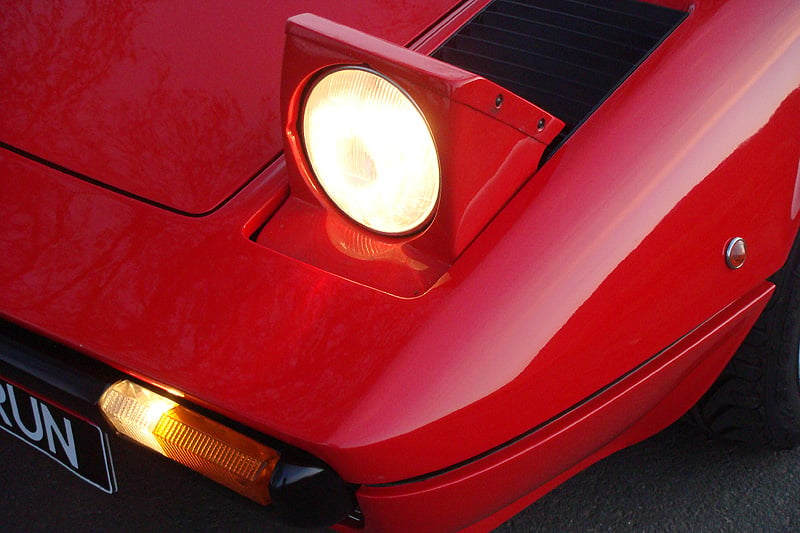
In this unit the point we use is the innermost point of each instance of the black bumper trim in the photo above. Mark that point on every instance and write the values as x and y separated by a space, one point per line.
67 377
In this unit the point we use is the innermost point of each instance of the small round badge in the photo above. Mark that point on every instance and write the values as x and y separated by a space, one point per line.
735 253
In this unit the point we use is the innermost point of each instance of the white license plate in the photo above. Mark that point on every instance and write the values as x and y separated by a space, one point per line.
72 441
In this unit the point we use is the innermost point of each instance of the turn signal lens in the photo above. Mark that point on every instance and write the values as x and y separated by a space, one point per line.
204 445
371 150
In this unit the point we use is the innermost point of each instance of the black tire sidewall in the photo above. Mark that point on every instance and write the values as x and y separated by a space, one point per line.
782 387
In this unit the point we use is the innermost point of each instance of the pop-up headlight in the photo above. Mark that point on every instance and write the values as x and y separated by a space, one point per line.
405 155
371 150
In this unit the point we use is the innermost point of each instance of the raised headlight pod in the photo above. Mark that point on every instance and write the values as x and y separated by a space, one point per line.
382 142
371 150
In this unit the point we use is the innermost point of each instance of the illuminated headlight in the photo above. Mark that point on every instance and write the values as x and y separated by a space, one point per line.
371 150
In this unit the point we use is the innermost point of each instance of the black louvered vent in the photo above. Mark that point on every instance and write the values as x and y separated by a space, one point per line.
566 56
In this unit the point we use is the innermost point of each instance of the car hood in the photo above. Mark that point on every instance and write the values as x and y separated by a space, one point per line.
174 103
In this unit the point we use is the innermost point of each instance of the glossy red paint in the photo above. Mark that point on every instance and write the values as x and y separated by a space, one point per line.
176 103
479 492
609 254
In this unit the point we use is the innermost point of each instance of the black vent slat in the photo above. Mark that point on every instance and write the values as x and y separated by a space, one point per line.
583 74
566 56
576 56
644 10
545 97
640 24
568 37
528 77
600 30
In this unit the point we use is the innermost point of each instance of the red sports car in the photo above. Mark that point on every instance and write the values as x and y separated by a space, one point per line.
397 265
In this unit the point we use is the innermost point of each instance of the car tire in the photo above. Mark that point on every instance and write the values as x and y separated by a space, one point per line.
756 399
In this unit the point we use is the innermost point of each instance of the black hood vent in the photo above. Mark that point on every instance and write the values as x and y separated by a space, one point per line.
566 56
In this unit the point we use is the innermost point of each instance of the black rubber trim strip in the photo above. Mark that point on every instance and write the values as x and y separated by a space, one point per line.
112 188
58 374
54 372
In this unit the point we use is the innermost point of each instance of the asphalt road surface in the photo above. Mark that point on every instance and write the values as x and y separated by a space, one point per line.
676 481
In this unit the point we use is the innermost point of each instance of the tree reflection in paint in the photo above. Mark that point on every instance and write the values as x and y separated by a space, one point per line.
114 91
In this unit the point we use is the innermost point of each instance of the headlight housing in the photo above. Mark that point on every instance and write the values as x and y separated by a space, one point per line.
371 150
389 190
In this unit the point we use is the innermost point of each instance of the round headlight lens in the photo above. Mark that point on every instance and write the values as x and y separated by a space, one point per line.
371 150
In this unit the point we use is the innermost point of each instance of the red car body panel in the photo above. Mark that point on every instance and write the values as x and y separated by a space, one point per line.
611 253
175 103
631 409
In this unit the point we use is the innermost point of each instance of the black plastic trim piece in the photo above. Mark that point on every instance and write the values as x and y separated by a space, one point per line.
306 492
60 374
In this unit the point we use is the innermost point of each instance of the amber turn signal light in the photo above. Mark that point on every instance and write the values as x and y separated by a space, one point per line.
204 445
